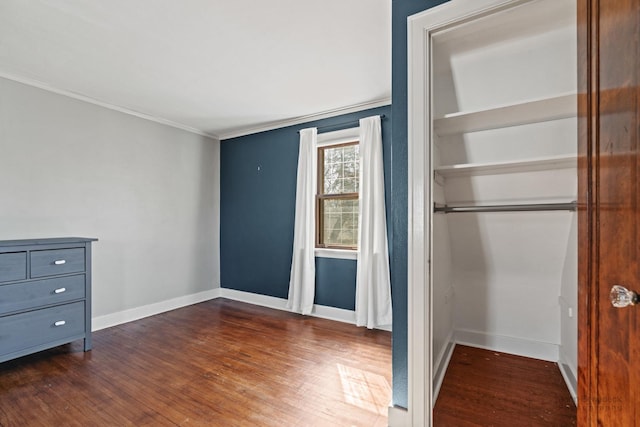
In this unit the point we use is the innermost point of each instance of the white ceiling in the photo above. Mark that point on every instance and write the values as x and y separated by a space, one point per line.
218 67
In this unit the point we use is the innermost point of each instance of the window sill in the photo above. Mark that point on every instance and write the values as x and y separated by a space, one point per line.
336 253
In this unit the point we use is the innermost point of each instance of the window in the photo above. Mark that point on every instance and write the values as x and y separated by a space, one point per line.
337 196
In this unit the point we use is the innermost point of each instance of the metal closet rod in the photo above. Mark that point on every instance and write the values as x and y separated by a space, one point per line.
532 207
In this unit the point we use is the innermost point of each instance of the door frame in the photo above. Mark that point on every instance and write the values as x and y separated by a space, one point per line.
420 170
586 257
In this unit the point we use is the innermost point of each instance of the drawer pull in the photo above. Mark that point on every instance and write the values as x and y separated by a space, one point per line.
60 290
60 323
60 261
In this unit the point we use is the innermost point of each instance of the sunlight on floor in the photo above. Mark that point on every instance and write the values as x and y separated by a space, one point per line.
364 389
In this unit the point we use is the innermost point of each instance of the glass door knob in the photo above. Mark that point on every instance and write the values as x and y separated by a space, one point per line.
623 297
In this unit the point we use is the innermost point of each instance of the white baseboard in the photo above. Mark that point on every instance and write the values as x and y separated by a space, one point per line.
442 354
255 299
322 311
398 417
504 344
125 316
441 368
332 313
568 373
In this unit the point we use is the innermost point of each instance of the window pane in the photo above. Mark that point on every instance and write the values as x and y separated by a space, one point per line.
341 169
340 218
349 185
331 178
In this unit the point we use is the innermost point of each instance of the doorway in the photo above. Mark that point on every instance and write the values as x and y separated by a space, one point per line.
490 127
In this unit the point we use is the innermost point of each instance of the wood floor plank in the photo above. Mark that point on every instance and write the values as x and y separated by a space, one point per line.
487 388
218 363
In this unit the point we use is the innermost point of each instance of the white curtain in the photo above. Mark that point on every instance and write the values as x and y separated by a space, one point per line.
302 282
373 282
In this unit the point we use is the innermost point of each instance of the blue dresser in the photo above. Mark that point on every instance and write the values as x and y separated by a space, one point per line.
45 294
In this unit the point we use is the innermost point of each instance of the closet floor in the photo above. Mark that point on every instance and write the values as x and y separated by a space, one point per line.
487 388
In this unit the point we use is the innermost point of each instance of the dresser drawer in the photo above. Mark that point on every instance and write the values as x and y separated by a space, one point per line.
13 266
57 261
37 293
36 328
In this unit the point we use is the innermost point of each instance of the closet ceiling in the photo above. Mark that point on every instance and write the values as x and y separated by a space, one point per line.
218 67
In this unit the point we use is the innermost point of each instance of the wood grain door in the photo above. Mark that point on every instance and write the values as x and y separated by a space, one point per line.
609 200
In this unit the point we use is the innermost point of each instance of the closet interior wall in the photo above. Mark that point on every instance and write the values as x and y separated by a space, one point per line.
505 132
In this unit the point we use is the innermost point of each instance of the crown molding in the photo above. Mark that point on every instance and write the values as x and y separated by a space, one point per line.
305 119
45 86
221 136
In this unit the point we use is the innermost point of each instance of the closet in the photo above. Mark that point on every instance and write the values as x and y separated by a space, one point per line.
503 186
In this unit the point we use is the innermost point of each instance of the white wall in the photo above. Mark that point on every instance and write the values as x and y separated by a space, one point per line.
149 192
507 270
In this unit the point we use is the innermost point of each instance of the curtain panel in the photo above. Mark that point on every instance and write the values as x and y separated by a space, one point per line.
373 282
302 281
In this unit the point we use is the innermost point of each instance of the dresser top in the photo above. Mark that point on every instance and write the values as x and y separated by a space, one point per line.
46 241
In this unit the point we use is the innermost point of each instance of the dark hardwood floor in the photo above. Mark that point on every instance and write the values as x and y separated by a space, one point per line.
485 388
218 363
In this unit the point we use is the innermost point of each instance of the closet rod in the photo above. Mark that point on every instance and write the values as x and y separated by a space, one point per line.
571 206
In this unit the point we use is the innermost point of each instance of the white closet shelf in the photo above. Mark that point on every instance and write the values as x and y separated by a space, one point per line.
533 111
512 166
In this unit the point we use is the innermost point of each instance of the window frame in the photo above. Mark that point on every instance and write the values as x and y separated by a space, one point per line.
328 139
322 196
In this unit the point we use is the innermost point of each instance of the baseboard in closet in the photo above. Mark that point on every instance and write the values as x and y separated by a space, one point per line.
504 344
442 362
569 377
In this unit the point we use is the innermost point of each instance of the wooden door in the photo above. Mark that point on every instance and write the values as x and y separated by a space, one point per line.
609 200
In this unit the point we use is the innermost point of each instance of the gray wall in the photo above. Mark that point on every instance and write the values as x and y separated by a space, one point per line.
149 192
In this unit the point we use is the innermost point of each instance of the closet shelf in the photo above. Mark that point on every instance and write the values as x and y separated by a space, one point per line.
534 111
528 165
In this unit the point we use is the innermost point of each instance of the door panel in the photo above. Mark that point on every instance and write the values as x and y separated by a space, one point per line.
609 199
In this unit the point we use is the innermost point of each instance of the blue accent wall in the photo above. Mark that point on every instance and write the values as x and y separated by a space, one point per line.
336 283
257 208
401 9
